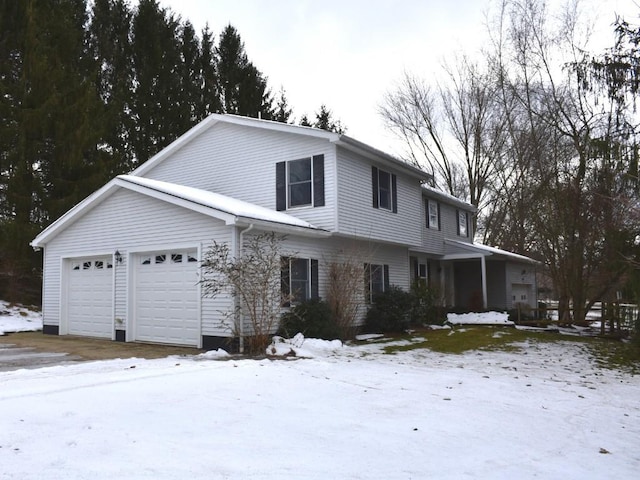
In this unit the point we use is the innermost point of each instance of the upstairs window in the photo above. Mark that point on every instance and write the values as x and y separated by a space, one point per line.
433 214
463 224
384 189
300 183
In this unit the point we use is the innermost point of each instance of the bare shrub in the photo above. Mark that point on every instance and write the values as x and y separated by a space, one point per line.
253 279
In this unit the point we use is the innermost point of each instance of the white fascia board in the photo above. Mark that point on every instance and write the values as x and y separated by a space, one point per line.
74 214
463 256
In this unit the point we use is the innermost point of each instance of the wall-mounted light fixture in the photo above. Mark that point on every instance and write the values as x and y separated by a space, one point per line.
118 256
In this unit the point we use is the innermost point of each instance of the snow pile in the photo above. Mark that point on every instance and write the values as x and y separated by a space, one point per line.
485 318
298 346
17 318
218 354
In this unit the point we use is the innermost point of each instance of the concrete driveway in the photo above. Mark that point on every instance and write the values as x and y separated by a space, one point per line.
36 350
13 357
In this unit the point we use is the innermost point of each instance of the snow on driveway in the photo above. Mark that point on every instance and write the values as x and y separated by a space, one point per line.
352 413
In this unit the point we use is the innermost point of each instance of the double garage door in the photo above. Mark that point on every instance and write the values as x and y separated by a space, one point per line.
165 298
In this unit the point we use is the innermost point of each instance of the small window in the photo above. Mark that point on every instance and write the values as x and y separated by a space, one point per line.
433 215
176 258
99 264
86 265
422 270
161 259
376 278
145 261
384 189
462 224
75 266
191 257
299 182
109 265
300 280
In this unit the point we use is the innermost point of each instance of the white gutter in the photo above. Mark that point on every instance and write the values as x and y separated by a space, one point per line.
238 311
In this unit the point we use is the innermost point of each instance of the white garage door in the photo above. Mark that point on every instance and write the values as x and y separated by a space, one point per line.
166 298
90 297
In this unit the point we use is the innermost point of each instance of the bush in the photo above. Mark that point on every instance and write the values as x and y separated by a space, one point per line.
312 318
423 306
389 312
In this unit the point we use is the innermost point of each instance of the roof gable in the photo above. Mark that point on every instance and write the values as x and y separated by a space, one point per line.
338 139
227 209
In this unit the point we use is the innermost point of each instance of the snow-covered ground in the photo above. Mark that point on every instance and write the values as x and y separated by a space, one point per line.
16 318
347 412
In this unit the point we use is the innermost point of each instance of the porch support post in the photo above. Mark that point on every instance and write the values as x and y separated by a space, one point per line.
483 268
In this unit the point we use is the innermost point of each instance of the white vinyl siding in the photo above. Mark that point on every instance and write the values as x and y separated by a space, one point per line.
132 222
356 215
240 162
433 239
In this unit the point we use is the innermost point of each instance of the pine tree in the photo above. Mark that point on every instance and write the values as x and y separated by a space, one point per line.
209 95
243 88
282 112
324 120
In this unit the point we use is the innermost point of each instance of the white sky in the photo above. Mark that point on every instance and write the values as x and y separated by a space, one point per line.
347 54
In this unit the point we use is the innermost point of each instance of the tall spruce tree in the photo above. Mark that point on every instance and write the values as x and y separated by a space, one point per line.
243 88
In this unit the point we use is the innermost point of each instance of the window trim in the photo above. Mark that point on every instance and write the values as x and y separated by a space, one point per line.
393 189
428 204
283 196
368 284
463 223
286 283
290 183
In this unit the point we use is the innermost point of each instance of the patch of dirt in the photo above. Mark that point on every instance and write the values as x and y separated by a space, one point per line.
92 348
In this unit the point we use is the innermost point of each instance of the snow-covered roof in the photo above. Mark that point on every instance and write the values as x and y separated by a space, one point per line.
232 211
447 198
216 201
484 250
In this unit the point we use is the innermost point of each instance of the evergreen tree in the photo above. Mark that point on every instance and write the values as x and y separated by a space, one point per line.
209 95
157 106
243 88
282 112
324 120
109 33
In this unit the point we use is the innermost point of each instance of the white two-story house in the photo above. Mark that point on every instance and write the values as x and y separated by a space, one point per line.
124 264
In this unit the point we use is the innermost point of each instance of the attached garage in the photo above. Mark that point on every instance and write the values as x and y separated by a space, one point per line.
166 292
90 297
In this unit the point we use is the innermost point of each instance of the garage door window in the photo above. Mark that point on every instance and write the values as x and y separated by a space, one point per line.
176 258
173 257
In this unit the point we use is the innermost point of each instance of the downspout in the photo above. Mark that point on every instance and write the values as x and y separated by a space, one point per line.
483 268
237 301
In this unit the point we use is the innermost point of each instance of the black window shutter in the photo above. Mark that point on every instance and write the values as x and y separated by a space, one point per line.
426 207
439 227
386 277
314 279
285 280
367 283
394 193
318 181
281 186
374 185
458 222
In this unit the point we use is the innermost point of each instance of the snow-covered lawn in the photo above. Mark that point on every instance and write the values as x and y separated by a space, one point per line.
16 318
349 412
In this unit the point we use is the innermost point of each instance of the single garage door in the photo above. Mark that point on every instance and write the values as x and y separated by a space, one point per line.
90 297
166 298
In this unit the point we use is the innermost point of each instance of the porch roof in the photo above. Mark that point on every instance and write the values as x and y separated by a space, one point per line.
457 250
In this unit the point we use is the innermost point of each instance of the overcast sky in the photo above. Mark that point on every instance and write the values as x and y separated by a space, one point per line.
348 53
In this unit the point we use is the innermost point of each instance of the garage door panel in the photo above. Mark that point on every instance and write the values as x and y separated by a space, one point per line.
167 298
90 298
